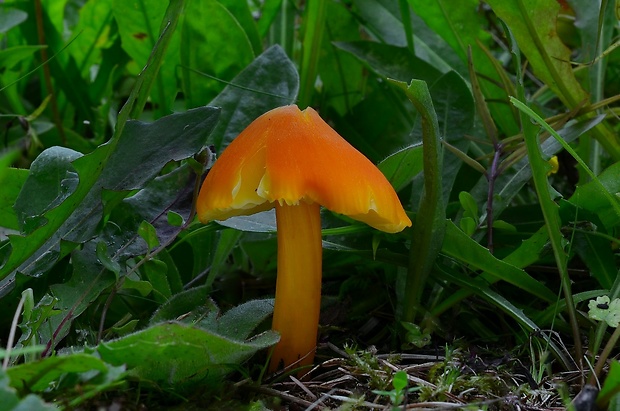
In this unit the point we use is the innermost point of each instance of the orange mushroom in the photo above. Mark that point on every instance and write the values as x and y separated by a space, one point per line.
293 161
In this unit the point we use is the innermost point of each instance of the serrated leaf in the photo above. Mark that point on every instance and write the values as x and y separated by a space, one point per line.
51 180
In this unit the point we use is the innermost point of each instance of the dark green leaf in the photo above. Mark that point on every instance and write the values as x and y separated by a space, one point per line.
458 245
138 156
37 376
173 354
11 181
401 167
390 61
270 81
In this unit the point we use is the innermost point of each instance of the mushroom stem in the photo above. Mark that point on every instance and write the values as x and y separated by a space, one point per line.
298 285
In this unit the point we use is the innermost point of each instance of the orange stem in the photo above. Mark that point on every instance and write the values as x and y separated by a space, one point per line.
298 286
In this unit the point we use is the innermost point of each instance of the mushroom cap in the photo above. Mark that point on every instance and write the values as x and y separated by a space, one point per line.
287 155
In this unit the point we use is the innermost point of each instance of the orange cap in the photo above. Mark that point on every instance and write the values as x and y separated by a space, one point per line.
288 155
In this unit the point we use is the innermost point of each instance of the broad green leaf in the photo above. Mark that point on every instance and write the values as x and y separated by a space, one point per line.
401 167
468 225
270 81
140 23
461 247
181 356
172 192
37 376
206 48
144 288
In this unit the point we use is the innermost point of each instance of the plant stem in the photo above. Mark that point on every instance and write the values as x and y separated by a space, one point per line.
494 172
298 286
602 359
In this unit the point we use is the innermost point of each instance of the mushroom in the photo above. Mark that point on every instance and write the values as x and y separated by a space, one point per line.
293 161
